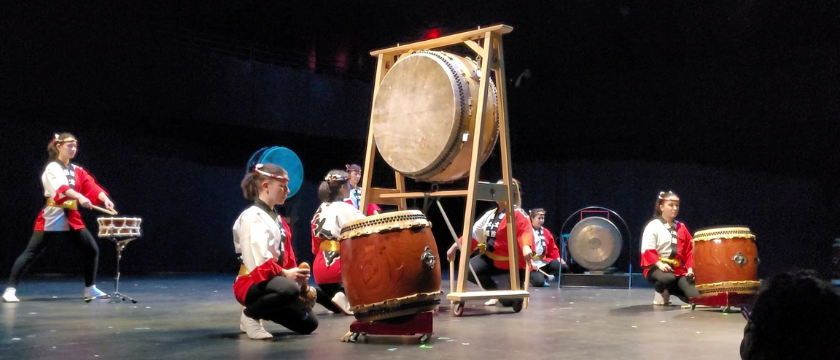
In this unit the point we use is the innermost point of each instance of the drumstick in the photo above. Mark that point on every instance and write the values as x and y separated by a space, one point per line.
109 212
305 286
527 282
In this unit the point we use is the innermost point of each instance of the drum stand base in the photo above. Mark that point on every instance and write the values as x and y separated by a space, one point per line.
421 323
120 245
725 300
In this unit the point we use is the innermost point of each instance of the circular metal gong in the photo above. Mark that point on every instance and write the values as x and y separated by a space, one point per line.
595 243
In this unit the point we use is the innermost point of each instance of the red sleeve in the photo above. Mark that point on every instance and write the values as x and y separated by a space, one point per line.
316 242
289 260
524 234
372 208
60 191
473 244
649 257
551 250
686 248
266 271
87 186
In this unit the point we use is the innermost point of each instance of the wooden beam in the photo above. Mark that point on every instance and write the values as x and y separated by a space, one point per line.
490 294
417 194
446 40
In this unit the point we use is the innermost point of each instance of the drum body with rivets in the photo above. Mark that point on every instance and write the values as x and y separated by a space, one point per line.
389 265
725 261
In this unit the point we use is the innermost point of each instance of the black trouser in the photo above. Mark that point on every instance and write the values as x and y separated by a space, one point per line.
485 270
38 243
326 293
679 286
538 279
278 300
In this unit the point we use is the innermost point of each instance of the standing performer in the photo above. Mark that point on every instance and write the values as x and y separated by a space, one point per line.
355 197
326 232
269 281
489 235
667 251
546 261
66 187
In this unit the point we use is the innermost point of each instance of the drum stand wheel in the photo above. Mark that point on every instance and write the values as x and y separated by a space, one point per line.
120 244
458 308
421 323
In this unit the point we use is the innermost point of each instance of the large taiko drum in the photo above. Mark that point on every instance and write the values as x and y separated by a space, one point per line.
423 116
725 265
389 265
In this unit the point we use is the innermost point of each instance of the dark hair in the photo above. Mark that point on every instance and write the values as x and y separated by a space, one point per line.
535 212
251 182
663 196
795 315
52 147
353 167
330 187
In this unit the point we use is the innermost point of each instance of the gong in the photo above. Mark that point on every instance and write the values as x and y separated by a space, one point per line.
595 243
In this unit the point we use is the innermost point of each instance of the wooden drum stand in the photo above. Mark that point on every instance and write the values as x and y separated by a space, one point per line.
487 45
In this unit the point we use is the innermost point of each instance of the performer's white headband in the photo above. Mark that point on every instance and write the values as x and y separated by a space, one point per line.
335 177
273 176
668 196
535 212
57 140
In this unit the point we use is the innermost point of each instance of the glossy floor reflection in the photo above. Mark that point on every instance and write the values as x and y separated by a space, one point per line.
195 316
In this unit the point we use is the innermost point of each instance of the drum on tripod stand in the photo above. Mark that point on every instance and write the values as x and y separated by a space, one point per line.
120 230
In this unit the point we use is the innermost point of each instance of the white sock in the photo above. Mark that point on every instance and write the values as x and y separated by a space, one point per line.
9 295
253 328
92 291
340 300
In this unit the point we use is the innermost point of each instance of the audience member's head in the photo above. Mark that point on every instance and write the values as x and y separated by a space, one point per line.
795 316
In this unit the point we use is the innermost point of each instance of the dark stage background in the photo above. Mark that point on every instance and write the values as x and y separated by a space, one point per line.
734 106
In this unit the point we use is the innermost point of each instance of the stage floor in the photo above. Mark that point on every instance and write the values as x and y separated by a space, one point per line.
195 316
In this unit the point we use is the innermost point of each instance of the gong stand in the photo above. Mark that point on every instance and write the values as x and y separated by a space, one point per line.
487 45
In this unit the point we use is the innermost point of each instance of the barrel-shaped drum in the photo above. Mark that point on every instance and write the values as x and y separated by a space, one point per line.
424 112
389 265
119 227
725 261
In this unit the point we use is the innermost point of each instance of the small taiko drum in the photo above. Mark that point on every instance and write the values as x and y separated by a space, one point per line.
423 116
725 266
389 265
119 227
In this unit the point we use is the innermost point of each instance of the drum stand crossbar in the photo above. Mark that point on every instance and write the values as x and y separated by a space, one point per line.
487 45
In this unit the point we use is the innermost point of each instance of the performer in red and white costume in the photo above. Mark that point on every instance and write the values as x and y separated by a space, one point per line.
489 235
66 187
269 281
355 197
667 251
546 258
333 213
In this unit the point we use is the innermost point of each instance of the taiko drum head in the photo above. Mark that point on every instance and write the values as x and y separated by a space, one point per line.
423 116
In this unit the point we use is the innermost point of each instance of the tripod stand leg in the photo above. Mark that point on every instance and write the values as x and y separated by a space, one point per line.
117 293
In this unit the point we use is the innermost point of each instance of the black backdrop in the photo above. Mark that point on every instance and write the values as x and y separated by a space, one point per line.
733 106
